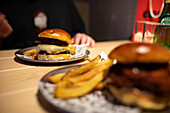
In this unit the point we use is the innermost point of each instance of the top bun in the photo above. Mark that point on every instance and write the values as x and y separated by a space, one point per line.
140 53
58 34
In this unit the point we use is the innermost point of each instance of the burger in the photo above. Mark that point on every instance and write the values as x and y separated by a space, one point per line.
140 76
54 44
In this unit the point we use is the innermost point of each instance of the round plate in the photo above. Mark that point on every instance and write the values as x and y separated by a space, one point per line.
95 102
19 54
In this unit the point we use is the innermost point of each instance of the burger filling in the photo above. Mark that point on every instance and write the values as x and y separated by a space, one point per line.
153 78
54 49
52 41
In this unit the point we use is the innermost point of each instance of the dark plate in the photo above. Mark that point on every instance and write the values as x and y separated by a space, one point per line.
19 54
95 102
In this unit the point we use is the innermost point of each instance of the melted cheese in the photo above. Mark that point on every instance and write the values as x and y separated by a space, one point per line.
53 57
52 48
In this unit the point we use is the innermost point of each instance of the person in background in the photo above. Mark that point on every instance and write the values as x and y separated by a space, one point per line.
22 20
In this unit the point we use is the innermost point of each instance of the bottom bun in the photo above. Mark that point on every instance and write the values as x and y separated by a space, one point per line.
135 97
53 57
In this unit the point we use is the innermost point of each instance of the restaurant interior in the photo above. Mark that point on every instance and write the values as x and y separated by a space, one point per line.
108 20
120 64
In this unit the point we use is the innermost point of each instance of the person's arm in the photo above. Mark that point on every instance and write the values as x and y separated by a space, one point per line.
80 36
5 28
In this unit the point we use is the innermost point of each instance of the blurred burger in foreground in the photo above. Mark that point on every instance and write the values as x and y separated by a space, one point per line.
53 44
141 76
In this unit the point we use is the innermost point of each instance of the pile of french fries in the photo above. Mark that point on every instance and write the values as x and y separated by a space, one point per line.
32 52
79 81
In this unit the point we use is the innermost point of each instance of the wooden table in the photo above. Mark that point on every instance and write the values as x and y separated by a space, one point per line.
19 81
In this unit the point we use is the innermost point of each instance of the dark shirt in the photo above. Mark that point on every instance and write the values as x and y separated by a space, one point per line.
20 15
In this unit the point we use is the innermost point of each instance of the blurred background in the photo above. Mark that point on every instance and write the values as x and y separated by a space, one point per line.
108 19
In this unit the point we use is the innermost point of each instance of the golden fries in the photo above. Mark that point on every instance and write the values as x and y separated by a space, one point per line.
81 69
100 86
79 90
88 59
81 80
101 66
56 78
30 52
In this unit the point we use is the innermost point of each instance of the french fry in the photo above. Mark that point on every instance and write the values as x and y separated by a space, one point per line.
89 59
81 69
62 84
81 80
100 66
34 56
56 78
100 86
30 52
64 91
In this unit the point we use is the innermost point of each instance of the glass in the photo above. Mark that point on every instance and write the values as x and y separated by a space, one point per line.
152 32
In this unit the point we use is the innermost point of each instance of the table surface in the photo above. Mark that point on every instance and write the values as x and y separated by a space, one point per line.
19 80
